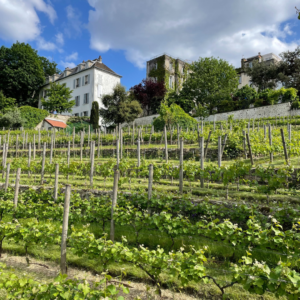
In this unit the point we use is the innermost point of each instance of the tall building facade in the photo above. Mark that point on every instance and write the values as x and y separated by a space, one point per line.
173 72
89 81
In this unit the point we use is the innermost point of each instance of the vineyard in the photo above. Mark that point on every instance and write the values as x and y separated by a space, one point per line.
210 211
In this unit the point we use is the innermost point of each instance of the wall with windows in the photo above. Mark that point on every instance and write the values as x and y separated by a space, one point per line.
87 86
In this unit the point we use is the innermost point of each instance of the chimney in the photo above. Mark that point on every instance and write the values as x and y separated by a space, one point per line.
100 59
67 71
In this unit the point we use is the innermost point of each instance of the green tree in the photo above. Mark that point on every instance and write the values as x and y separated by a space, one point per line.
263 75
289 69
12 119
120 107
186 104
95 115
21 73
58 98
6 103
211 79
244 96
49 68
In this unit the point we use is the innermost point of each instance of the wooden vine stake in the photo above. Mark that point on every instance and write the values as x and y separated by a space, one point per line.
181 167
150 183
113 204
64 235
224 144
166 144
7 177
244 144
73 138
202 159
4 158
138 153
92 163
270 143
206 147
56 181
29 158
249 147
118 152
17 185
219 151
43 163
284 146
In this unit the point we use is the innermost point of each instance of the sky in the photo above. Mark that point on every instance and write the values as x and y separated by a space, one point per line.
127 33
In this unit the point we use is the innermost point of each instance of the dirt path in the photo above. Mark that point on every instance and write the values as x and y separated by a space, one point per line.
137 291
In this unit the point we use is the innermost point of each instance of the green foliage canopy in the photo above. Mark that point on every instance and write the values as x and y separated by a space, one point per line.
95 114
12 119
6 103
23 72
171 116
33 115
58 98
120 107
211 79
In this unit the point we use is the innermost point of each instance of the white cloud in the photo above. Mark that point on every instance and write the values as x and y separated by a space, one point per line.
68 64
73 26
59 39
190 29
73 56
19 20
44 45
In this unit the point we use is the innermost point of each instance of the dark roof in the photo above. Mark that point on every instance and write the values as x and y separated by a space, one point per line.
96 64
104 67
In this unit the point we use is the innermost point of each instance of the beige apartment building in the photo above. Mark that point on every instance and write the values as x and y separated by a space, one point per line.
248 62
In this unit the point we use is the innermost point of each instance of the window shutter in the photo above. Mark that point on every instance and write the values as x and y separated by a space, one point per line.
83 81
87 98
79 82
74 84
78 100
89 78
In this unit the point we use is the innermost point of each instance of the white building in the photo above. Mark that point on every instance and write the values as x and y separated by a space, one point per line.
267 59
89 81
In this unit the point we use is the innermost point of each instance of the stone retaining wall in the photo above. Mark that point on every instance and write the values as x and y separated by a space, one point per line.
277 110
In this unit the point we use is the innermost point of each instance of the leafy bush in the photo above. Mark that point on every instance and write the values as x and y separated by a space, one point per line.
78 119
171 116
12 119
33 115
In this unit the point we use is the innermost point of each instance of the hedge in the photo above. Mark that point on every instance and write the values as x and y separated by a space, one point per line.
33 115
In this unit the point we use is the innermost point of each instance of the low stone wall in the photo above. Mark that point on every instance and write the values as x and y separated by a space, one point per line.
277 110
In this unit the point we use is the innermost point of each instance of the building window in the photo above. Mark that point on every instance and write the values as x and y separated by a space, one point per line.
86 98
45 93
77 100
76 115
170 66
250 83
155 66
240 79
77 82
85 113
86 79
170 82
182 70
250 64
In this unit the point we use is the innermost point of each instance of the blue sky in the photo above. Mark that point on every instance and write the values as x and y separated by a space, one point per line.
126 33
